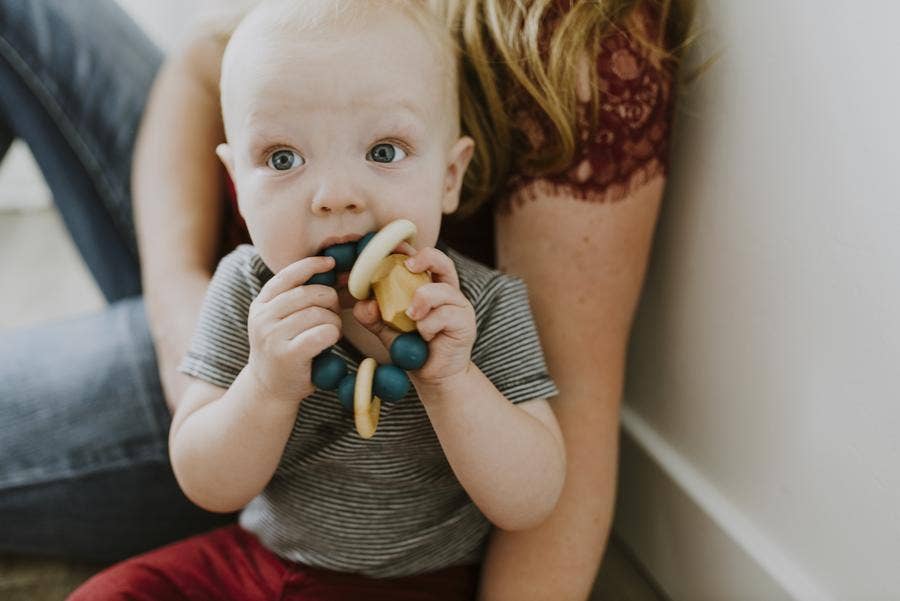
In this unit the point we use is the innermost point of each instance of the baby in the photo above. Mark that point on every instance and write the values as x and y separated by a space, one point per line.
341 117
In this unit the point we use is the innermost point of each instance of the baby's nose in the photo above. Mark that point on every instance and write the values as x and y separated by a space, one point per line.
336 202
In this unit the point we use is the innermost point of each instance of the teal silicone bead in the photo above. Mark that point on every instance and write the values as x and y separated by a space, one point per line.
329 278
344 255
345 391
409 351
390 384
361 243
327 370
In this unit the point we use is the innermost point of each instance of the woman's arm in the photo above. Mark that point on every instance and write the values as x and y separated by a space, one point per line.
177 189
584 264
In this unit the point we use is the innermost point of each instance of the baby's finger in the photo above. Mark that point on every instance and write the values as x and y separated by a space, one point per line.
295 274
439 264
300 321
367 313
296 299
429 296
406 248
449 319
315 340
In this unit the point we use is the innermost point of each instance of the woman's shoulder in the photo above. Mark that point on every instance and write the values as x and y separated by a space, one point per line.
625 142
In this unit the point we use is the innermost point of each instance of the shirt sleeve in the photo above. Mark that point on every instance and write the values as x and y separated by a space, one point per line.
507 349
220 346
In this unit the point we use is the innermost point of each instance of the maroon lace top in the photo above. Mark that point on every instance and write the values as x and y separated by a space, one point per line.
627 147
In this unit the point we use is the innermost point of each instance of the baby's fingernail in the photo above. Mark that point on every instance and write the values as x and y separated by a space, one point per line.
409 263
409 313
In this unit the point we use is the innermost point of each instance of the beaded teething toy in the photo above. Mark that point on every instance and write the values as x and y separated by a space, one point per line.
372 266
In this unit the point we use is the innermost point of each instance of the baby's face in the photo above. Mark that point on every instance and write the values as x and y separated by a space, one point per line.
338 134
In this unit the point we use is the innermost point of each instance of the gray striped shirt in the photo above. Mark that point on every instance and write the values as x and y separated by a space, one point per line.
388 506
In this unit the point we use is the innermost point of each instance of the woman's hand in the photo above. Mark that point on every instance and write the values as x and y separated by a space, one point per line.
288 325
444 318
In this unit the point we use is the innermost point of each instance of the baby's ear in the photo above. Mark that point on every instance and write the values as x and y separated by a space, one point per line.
460 155
223 151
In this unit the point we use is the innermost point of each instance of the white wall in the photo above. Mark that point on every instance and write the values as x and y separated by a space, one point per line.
761 456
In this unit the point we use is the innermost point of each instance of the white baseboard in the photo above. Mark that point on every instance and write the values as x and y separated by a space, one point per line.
693 541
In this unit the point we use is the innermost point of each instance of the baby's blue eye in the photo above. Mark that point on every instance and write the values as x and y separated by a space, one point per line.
284 160
386 153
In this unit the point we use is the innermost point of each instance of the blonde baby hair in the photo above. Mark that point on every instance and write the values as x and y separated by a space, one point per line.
293 18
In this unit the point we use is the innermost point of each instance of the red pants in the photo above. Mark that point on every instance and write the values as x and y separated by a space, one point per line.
230 563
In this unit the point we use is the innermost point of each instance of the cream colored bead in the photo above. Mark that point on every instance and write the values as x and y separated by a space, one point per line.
366 406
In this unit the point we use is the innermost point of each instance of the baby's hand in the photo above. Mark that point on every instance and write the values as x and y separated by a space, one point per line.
444 318
289 324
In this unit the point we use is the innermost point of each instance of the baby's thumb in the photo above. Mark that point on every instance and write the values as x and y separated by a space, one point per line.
367 313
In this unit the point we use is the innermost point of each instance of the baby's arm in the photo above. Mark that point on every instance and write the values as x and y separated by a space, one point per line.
226 444
509 458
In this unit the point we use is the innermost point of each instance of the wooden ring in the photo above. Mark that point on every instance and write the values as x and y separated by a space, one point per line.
366 406
380 246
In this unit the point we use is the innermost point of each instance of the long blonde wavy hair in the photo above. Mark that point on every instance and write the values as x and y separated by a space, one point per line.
500 49
501 57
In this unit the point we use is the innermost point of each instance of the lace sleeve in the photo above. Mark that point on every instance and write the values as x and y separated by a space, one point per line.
627 147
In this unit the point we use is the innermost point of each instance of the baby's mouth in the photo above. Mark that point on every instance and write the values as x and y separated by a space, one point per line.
346 251
336 240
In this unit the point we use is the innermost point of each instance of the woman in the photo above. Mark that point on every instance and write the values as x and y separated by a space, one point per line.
572 121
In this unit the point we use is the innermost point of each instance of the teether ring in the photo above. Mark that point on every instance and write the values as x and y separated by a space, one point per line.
379 247
375 267
366 406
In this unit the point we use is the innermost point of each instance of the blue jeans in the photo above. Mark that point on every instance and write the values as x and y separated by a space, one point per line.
84 469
